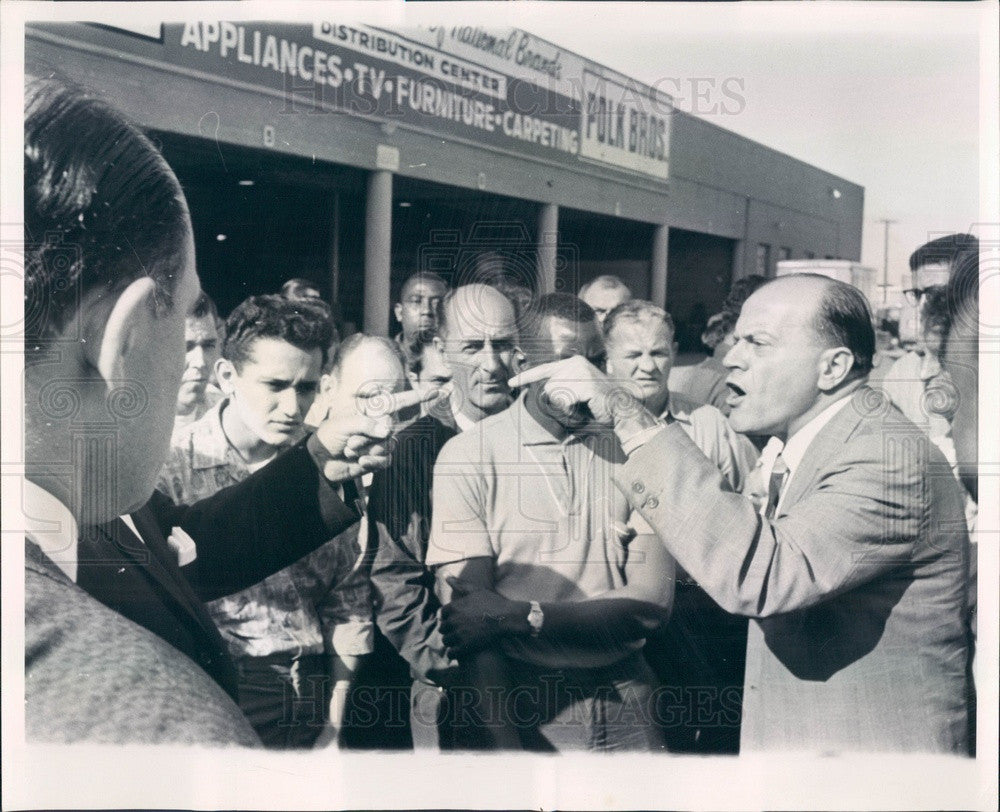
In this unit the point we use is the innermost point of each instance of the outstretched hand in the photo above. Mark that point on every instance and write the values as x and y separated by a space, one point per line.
359 443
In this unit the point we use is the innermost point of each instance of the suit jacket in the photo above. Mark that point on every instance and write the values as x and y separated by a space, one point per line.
857 587
243 534
399 511
92 675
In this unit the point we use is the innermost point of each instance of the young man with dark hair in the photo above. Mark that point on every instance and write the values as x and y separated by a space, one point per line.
853 571
295 630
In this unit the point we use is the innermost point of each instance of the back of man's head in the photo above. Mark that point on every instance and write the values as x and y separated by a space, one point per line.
303 323
101 207
740 291
362 342
559 325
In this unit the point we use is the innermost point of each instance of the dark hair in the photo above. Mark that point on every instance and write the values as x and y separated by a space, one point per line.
102 208
843 319
633 312
296 288
934 308
303 323
354 342
557 306
945 249
740 291
719 326
963 285
204 307
521 296
420 276
413 350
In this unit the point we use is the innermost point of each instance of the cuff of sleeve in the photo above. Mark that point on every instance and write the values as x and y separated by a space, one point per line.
353 638
638 440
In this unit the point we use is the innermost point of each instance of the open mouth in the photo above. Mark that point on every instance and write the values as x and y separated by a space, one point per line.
736 394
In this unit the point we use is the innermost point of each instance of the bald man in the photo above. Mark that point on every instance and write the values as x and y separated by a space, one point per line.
852 568
477 340
604 294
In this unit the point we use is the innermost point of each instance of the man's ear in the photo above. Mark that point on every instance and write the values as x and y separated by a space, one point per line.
835 365
397 310
128 334
326 383
224 374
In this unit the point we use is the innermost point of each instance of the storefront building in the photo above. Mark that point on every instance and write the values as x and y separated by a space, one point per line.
354 156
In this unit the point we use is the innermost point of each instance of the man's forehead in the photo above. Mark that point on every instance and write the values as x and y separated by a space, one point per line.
780 308
641 331
424 288
370 363
200 326
605 296
490 322
558 327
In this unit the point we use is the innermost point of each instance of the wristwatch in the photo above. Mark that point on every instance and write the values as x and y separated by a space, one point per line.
536 617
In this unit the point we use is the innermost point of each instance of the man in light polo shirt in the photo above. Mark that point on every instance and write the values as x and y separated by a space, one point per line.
527 517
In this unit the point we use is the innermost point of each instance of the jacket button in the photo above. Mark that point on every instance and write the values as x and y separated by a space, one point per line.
638 487
652 503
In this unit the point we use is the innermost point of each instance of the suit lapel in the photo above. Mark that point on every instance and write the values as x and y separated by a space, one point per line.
831 437
155 558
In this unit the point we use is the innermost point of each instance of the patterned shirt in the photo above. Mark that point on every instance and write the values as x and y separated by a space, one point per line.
320 603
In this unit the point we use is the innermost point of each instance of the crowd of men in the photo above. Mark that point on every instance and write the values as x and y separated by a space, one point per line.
504 528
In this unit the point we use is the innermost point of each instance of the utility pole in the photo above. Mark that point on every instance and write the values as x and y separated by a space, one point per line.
885 260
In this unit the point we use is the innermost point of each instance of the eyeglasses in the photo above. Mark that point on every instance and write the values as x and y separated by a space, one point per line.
913 295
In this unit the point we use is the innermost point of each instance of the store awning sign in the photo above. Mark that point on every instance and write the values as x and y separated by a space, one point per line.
625 126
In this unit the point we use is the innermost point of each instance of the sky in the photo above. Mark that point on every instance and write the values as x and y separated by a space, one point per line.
886 95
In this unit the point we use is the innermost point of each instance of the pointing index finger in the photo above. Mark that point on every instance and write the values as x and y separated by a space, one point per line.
533 375
388 403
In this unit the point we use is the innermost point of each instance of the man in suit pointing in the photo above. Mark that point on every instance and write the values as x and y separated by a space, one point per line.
853 567
109 280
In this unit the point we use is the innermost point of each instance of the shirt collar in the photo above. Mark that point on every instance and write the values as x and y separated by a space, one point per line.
208 441
49 523
795 447
678 408
210 446
462 423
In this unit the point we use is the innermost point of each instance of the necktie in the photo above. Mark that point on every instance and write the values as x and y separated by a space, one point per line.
778 473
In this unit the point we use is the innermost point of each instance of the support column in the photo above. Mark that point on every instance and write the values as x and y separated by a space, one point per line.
658 270
333 252
548 243
378 242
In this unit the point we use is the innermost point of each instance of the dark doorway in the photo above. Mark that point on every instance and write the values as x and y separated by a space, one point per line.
699 273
